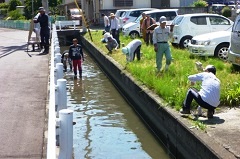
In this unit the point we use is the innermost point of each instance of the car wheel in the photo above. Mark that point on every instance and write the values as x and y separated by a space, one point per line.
222 51
134 35
184 42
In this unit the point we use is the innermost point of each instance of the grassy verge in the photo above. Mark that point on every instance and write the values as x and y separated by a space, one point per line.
173 84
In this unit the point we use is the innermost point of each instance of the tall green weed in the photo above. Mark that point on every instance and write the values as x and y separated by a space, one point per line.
173 84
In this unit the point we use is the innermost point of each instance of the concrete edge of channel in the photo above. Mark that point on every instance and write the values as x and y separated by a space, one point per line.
169 127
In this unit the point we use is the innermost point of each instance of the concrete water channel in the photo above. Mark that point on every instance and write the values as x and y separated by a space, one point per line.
106 125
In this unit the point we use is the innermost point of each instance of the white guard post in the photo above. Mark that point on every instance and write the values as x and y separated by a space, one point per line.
62 94
57 58
66 134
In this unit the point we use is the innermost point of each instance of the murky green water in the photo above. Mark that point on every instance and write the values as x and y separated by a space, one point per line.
106 126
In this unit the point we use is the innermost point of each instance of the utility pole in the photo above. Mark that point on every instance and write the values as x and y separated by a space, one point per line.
45 5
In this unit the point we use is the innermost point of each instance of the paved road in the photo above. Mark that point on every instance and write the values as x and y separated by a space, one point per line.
23 85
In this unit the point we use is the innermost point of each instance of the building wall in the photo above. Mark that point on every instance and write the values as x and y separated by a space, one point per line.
175 3
108 4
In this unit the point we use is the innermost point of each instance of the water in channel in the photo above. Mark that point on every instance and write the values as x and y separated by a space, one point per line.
106 125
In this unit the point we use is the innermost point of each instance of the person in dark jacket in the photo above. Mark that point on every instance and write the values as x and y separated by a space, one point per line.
76 55
43 19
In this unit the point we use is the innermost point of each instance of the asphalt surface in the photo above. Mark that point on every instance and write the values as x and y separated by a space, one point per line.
23 101
23 97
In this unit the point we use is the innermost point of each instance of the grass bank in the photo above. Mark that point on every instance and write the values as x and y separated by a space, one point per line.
173 84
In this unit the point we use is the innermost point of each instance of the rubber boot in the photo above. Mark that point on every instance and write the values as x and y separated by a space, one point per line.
80 73
75 74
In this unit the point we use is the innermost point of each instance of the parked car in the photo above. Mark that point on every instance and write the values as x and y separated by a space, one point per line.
132 29
131 15
120 12
188 25
211 44
75 14
234 49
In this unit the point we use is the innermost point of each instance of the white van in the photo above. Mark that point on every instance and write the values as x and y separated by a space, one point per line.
234 49
132 29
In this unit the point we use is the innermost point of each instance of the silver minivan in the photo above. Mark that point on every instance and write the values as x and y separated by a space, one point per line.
234 50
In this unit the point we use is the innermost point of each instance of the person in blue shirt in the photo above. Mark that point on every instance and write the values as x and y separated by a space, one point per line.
208 96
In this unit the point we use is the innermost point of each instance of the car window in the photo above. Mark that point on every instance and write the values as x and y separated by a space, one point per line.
218 21
123 14
177 20
169 15
199 20
135 13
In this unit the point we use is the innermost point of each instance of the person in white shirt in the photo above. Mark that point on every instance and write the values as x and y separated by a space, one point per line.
114 28
208 96
106 22
161 35
132 49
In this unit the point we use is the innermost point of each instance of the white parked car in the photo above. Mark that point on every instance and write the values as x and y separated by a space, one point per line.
132 29
234 49
189 25
211 44
131 15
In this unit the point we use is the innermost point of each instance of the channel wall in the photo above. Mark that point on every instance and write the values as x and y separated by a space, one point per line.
168 126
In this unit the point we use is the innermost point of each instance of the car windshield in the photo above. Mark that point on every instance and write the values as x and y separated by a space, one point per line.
177 20
138 19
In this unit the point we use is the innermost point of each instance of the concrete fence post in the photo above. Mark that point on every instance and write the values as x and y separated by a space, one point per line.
57 58
66 134
57 49
59 69
62 94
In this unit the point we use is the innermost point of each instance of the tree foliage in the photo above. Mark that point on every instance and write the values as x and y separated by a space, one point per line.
200 3
15 15
227 12
13 4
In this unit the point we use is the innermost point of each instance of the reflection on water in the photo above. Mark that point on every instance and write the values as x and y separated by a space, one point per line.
106 126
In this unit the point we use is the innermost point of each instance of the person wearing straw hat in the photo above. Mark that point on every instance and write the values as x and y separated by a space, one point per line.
161 35
133 48
208 96
147 22
114 28
43 19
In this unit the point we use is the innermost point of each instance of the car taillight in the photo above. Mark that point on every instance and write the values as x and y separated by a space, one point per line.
125 20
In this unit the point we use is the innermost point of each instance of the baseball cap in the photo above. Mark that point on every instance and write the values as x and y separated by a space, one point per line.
210 68
41 9
162 19
125 50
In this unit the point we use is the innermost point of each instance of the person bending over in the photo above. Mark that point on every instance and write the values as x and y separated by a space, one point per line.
132 49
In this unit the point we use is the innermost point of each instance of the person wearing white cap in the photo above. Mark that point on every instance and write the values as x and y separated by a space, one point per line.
114 28
161 35
44 31
132 49
208 96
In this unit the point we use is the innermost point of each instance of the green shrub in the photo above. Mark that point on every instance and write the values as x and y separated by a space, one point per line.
200 3
13 4
3 12
226 12
4 5
15 15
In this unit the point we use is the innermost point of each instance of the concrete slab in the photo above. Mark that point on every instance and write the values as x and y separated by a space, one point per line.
23 97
